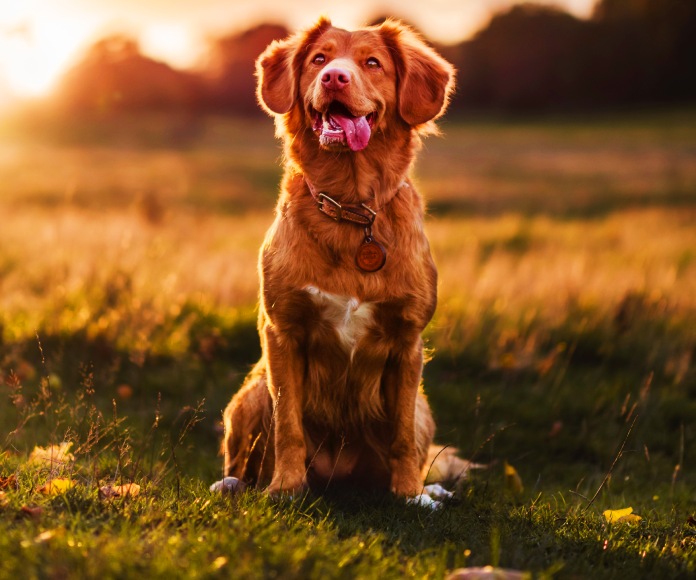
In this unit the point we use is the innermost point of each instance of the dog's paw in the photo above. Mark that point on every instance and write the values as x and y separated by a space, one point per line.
228 485
432 497
407 487
436 491
288 487
424 500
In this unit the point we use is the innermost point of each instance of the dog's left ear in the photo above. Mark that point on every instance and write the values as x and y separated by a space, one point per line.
426 80
278 69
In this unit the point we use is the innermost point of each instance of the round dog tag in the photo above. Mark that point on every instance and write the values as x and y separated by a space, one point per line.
371 255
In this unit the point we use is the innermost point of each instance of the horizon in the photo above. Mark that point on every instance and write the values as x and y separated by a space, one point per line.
39 41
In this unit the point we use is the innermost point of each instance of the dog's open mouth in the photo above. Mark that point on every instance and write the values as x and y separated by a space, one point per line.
337 126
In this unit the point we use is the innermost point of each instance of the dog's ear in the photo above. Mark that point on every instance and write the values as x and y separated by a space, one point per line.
278 69
426 80
275 76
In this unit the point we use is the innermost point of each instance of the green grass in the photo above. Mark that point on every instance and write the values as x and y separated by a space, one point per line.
563 345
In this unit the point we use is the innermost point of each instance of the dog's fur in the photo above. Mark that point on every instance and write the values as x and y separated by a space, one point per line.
336 398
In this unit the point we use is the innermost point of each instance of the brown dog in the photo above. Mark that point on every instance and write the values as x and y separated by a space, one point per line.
347 280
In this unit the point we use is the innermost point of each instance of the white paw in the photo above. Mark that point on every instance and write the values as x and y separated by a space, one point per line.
436 491
227 485
424 500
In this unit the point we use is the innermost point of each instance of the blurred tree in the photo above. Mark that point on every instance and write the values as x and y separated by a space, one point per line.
229 72
668 29
114 75
530 57
538 57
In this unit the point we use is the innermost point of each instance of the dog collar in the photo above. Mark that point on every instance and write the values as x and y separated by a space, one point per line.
362 215
371 255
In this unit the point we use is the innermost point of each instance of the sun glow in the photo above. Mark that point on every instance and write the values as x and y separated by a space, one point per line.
39 40
34 53
175 43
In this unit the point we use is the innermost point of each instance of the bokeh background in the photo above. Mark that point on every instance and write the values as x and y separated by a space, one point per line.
137 179
511 56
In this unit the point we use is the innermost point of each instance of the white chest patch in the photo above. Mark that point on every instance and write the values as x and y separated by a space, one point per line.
349 317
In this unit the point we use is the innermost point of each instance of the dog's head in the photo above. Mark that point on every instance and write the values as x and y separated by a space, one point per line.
344 85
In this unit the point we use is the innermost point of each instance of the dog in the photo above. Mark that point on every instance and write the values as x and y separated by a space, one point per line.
347 281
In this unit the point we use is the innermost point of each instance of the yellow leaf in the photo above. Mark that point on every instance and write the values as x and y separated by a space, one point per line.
53 454
3 499
131 489
45 537
219 562
57 486
513 481
114 491
624 515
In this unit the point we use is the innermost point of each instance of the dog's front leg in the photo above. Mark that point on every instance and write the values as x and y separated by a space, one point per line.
402 381
285 375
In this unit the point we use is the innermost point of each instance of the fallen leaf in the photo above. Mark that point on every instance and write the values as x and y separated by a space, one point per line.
124 392
556 429
114 491
513 481
218 563
614 515
45 536
630 519
32 512
3 499
487 573
624 515
57 486
53 454
8 482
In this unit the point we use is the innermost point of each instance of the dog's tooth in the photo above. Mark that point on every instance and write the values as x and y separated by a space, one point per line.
330 125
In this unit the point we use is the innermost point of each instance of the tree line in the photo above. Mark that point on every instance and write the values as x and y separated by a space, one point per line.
528 58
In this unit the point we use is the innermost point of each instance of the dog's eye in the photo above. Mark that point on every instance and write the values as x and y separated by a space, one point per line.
319 59
372 62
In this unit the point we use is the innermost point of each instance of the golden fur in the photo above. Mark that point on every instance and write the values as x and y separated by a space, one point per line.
335 398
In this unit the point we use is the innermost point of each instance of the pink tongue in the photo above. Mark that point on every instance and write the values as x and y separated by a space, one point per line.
357 130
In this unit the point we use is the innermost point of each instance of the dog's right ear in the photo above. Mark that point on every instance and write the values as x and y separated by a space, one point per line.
275 76
279 66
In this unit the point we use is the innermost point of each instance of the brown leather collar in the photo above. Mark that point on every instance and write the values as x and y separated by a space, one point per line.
362 214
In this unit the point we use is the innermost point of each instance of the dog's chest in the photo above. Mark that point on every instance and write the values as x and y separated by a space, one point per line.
350 318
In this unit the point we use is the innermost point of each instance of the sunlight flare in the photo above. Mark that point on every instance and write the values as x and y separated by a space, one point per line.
34 53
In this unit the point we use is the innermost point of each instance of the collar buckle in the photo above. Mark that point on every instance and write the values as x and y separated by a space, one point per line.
330 207
371 214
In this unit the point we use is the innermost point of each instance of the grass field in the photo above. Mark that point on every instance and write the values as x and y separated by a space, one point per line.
564 346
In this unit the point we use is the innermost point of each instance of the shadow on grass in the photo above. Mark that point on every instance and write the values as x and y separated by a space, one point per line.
484 526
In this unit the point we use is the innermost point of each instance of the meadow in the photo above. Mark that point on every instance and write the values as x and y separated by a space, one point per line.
563 351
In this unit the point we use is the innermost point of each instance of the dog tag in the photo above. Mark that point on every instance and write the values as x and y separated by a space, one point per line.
371 255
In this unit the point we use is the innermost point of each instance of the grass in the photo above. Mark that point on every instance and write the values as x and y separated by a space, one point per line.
563 345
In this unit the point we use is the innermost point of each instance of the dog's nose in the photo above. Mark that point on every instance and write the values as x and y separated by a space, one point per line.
335 78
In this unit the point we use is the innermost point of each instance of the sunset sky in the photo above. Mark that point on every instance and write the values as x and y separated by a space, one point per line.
39 39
